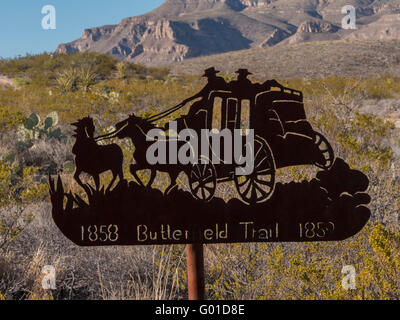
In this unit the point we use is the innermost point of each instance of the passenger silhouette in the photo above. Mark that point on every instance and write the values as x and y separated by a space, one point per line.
241 86
197 116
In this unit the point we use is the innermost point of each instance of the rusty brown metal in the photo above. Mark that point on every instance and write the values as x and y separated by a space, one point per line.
195 270
332 206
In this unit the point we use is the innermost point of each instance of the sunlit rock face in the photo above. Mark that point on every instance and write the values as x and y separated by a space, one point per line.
181 29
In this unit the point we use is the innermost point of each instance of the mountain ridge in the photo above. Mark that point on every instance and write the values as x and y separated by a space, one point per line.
182 29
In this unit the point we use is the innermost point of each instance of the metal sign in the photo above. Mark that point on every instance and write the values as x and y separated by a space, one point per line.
239 133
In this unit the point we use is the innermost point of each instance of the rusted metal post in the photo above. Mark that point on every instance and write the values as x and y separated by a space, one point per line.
195 270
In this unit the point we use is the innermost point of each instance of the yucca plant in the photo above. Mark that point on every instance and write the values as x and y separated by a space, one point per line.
87 78
67 80
122 70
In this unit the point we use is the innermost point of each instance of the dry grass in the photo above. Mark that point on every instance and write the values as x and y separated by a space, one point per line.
147 273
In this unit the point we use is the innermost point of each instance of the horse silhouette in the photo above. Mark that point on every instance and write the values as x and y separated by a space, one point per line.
92 158
136 129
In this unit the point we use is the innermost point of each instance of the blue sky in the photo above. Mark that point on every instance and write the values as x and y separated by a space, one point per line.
21 29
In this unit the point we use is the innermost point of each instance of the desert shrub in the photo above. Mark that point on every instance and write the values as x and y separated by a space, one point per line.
384 87
18 189
42 69
307 271
126 70
22 81
103 65
158 73
9 120
49 154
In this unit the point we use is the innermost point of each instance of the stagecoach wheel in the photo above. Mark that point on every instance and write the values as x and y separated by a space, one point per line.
326 150
203 181
260 185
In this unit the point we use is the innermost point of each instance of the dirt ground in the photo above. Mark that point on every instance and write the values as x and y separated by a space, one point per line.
6 81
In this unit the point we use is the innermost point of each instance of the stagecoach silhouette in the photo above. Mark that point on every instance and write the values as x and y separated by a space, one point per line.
283 138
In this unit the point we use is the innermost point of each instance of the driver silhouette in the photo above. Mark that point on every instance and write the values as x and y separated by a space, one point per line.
214 83
196 118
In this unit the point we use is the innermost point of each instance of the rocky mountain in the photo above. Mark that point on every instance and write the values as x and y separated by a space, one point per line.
181 29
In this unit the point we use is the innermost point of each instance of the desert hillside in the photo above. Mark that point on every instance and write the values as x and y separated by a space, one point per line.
345 58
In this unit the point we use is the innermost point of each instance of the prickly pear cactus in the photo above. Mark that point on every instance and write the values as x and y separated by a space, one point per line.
32 121
51 120
55 134
34 128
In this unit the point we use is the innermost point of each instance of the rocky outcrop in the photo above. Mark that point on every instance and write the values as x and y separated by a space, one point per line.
316 27
181 29
274 38
314 30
